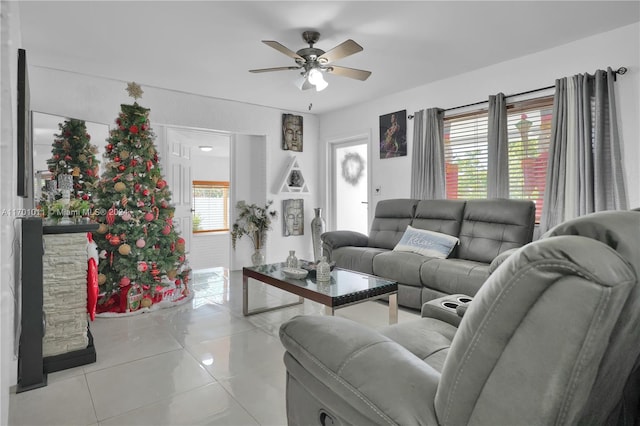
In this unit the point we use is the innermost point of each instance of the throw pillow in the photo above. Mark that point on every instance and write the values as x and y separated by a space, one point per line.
427 243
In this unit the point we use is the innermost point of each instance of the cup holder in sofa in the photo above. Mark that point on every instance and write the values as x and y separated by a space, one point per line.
464 299
450 305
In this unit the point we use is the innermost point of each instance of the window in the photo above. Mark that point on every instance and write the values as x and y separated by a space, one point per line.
529 133
210 206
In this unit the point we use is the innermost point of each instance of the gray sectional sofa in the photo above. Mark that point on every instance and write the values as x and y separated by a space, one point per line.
485 228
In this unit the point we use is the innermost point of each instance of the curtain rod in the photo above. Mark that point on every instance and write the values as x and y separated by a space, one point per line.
621 71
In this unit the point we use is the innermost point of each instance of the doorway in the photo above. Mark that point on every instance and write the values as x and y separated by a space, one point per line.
350 185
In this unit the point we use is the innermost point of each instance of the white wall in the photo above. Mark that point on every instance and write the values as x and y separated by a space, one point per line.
620 47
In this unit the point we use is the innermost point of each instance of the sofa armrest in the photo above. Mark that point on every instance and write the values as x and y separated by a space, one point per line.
335 239
499 259
449 309
373 374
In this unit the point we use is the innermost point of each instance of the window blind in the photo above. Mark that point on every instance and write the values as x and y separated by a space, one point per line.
210 206
465 155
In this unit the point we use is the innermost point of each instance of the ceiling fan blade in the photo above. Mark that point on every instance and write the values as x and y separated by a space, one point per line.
342 50
280 48
274 69
361 75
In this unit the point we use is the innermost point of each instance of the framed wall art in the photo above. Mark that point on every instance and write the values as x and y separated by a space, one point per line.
292 132
393 134
293 214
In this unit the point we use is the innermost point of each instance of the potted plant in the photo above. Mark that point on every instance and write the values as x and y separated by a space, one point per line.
253 221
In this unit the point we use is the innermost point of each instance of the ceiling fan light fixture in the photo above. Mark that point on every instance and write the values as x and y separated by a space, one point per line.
316 78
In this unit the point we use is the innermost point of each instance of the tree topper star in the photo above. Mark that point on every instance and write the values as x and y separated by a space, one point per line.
134 90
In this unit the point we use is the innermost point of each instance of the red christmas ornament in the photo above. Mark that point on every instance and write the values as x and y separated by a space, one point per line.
164 204
161 184
144 126
111 215
122 168
145 192
166 230
155 272
56 156
115 240
142 266
116 159
88 172
124 281
134 162
181 240
85 197
181 259
107 236
149 165
67 158
148 217
133 129
136 187
109 147
172 247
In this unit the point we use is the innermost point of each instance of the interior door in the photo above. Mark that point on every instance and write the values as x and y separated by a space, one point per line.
350 185
179 179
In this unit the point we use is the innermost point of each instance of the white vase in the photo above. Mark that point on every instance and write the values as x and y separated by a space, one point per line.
323 270
257 258
292 260
317 229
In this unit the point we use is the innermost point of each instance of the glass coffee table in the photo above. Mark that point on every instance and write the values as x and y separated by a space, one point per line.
345 288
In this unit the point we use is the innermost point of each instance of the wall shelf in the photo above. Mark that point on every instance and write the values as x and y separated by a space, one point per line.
292 180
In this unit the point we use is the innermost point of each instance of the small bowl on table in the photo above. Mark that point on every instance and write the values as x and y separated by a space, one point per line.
295 273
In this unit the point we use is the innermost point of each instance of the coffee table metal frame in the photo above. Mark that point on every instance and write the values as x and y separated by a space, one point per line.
331 303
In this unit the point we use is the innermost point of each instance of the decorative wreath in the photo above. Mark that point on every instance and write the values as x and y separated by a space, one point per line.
352 168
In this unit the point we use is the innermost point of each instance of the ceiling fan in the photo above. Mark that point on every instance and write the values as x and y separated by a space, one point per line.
314 62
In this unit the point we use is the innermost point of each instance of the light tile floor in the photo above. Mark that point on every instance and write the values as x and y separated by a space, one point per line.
202 363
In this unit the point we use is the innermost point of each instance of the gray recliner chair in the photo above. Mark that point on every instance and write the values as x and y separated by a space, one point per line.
552 337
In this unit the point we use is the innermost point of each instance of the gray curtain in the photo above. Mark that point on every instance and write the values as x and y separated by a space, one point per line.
585 172
427 161
498 148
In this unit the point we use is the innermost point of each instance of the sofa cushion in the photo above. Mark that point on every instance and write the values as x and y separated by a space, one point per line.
426 243
391 219
356 258
427 338
399 266
439 215
490 227
453 276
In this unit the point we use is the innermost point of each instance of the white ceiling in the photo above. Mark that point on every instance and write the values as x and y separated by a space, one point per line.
207 47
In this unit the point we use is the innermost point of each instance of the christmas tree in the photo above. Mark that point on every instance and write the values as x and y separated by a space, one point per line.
73 154
142 260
